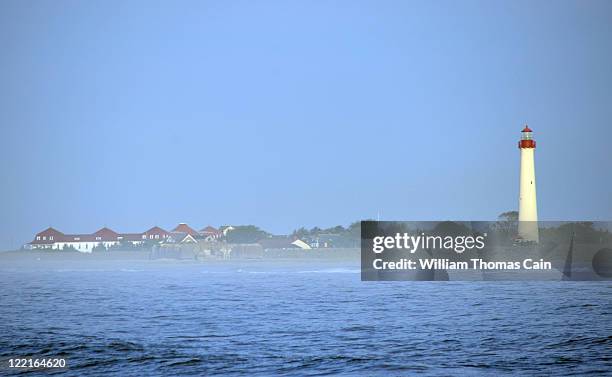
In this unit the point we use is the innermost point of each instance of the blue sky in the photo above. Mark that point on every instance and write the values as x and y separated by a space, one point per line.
298 113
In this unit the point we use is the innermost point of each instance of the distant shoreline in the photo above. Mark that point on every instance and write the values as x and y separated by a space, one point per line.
146 255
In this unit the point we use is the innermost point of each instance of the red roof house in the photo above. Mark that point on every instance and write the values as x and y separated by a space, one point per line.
155 233
47 236
184 228
106 234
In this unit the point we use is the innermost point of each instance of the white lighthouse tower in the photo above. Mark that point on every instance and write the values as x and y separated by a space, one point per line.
528 207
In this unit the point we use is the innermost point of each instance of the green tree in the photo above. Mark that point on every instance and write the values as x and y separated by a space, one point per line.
301 233
246 234
338 229
506 227
354 230
510 216
99 248
315 231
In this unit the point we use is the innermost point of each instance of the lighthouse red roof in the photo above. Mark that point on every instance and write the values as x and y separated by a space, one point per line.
526 129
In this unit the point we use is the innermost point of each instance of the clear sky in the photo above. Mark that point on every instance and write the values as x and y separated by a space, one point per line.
298 113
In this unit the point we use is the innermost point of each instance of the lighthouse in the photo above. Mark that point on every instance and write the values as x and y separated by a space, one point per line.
528 207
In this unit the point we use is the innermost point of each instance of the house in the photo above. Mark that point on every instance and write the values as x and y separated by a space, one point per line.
207 238
184 228
53 239
210 233
155 233
225 229
46 239
179 238
332 240
134 238
282 242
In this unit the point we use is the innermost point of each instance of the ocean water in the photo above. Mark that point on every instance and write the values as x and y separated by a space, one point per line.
135 319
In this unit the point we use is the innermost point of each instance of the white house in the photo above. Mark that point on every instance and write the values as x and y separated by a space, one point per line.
51 238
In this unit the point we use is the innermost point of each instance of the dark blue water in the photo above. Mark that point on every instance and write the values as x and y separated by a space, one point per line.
309 319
